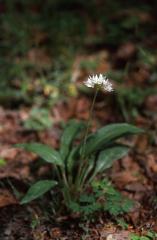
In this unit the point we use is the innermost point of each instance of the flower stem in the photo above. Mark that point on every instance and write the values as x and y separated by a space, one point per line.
83 161
88 123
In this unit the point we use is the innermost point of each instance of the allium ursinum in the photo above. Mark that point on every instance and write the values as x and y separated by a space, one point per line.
99 81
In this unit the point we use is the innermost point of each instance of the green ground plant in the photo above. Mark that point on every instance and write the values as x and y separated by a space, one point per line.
130 100
77 165
102 198
150 235
39 119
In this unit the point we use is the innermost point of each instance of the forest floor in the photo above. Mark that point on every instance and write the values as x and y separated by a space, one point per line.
135 176
131 66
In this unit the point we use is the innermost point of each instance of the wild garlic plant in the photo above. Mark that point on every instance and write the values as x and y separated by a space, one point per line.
77 164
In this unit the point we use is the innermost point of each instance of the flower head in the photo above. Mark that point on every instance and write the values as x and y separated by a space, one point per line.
99 81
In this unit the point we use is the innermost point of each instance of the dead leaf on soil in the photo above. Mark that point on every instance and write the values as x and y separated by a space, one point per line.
75 108
151 103
135 187
124 177
142 142
110 232
82 108
39 57
123 235
55 232
134 216
6 198
97 63
7 152
126 51
22 172
152 162
141 75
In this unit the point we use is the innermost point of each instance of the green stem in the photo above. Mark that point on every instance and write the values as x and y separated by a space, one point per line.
88 123
85 139
58 173
65 187
64 177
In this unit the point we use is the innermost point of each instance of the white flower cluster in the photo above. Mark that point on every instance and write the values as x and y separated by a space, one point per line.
99 80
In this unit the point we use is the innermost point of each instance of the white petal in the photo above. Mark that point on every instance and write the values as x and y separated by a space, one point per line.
99 80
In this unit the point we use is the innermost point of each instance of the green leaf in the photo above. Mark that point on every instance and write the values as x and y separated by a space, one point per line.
107 157
2 162
72 129
134 237
106 135
39 119
44 151
144 238
37 190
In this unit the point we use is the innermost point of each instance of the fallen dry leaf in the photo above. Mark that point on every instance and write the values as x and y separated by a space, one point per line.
142 143
126 50
82 108
124 177
151 103
7 152
55 232
6 198
39 57
141 75
123 235
152 162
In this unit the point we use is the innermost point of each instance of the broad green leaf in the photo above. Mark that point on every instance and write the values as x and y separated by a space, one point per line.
108 156
72 129
106 135
37 190
44 151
